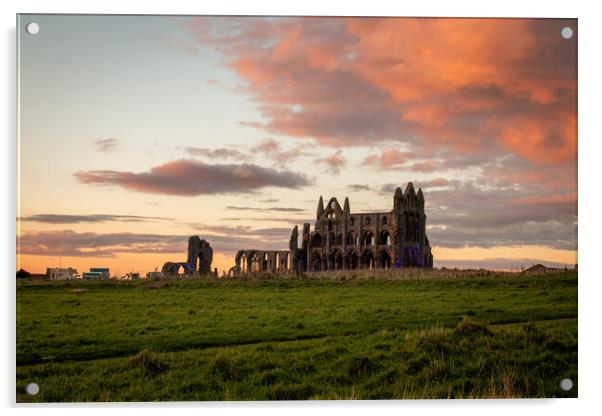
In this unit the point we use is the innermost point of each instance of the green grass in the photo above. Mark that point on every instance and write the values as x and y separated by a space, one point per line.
476 336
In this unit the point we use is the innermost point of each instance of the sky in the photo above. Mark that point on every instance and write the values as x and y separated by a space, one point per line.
136 132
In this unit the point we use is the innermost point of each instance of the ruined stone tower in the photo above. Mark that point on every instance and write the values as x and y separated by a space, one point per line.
200 256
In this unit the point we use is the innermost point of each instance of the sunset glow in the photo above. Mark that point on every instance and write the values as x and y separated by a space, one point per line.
139 132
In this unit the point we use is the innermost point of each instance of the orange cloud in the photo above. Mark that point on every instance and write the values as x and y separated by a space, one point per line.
474 86
542 140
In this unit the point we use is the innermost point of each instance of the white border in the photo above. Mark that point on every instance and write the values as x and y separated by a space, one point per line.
590 137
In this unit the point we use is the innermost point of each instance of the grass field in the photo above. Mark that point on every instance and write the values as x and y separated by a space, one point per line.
363 338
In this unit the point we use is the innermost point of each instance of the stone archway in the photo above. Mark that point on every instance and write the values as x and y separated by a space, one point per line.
171 268
385 238
384 259
316 240
336 260
368 238
316 261
353 260
367 260
254 262
351 239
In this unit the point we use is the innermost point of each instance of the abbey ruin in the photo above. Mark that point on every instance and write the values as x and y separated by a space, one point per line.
340 240
343 240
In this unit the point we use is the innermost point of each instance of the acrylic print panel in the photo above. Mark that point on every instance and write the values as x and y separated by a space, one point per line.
291 208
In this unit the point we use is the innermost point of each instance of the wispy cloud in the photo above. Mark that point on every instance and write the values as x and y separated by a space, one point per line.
218 153
172 42
225 240
471 215
332 163
259 209
280 233
106 145
88 218
360 188
273 150
265 219
389 158
89 244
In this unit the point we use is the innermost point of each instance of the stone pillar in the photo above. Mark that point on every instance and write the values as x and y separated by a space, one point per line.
194 248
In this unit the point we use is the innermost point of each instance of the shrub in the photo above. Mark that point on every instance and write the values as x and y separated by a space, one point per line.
222 367
468 327
148 363
360 366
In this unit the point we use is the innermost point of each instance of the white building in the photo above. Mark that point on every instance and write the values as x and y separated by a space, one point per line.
57 273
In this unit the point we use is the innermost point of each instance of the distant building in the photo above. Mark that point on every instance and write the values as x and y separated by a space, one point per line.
23 274
87 276
96 273
57 273
38 276
101 270
540 269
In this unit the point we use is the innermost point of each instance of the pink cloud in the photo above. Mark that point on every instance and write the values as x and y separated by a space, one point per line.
389 158
191 178
569 198
273 151
435 182
333 163
268 146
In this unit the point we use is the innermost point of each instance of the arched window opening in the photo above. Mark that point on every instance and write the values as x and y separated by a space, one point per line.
367 260
316 262
316 240
255 263
351 238
368 239
352 260
384 259
385 238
